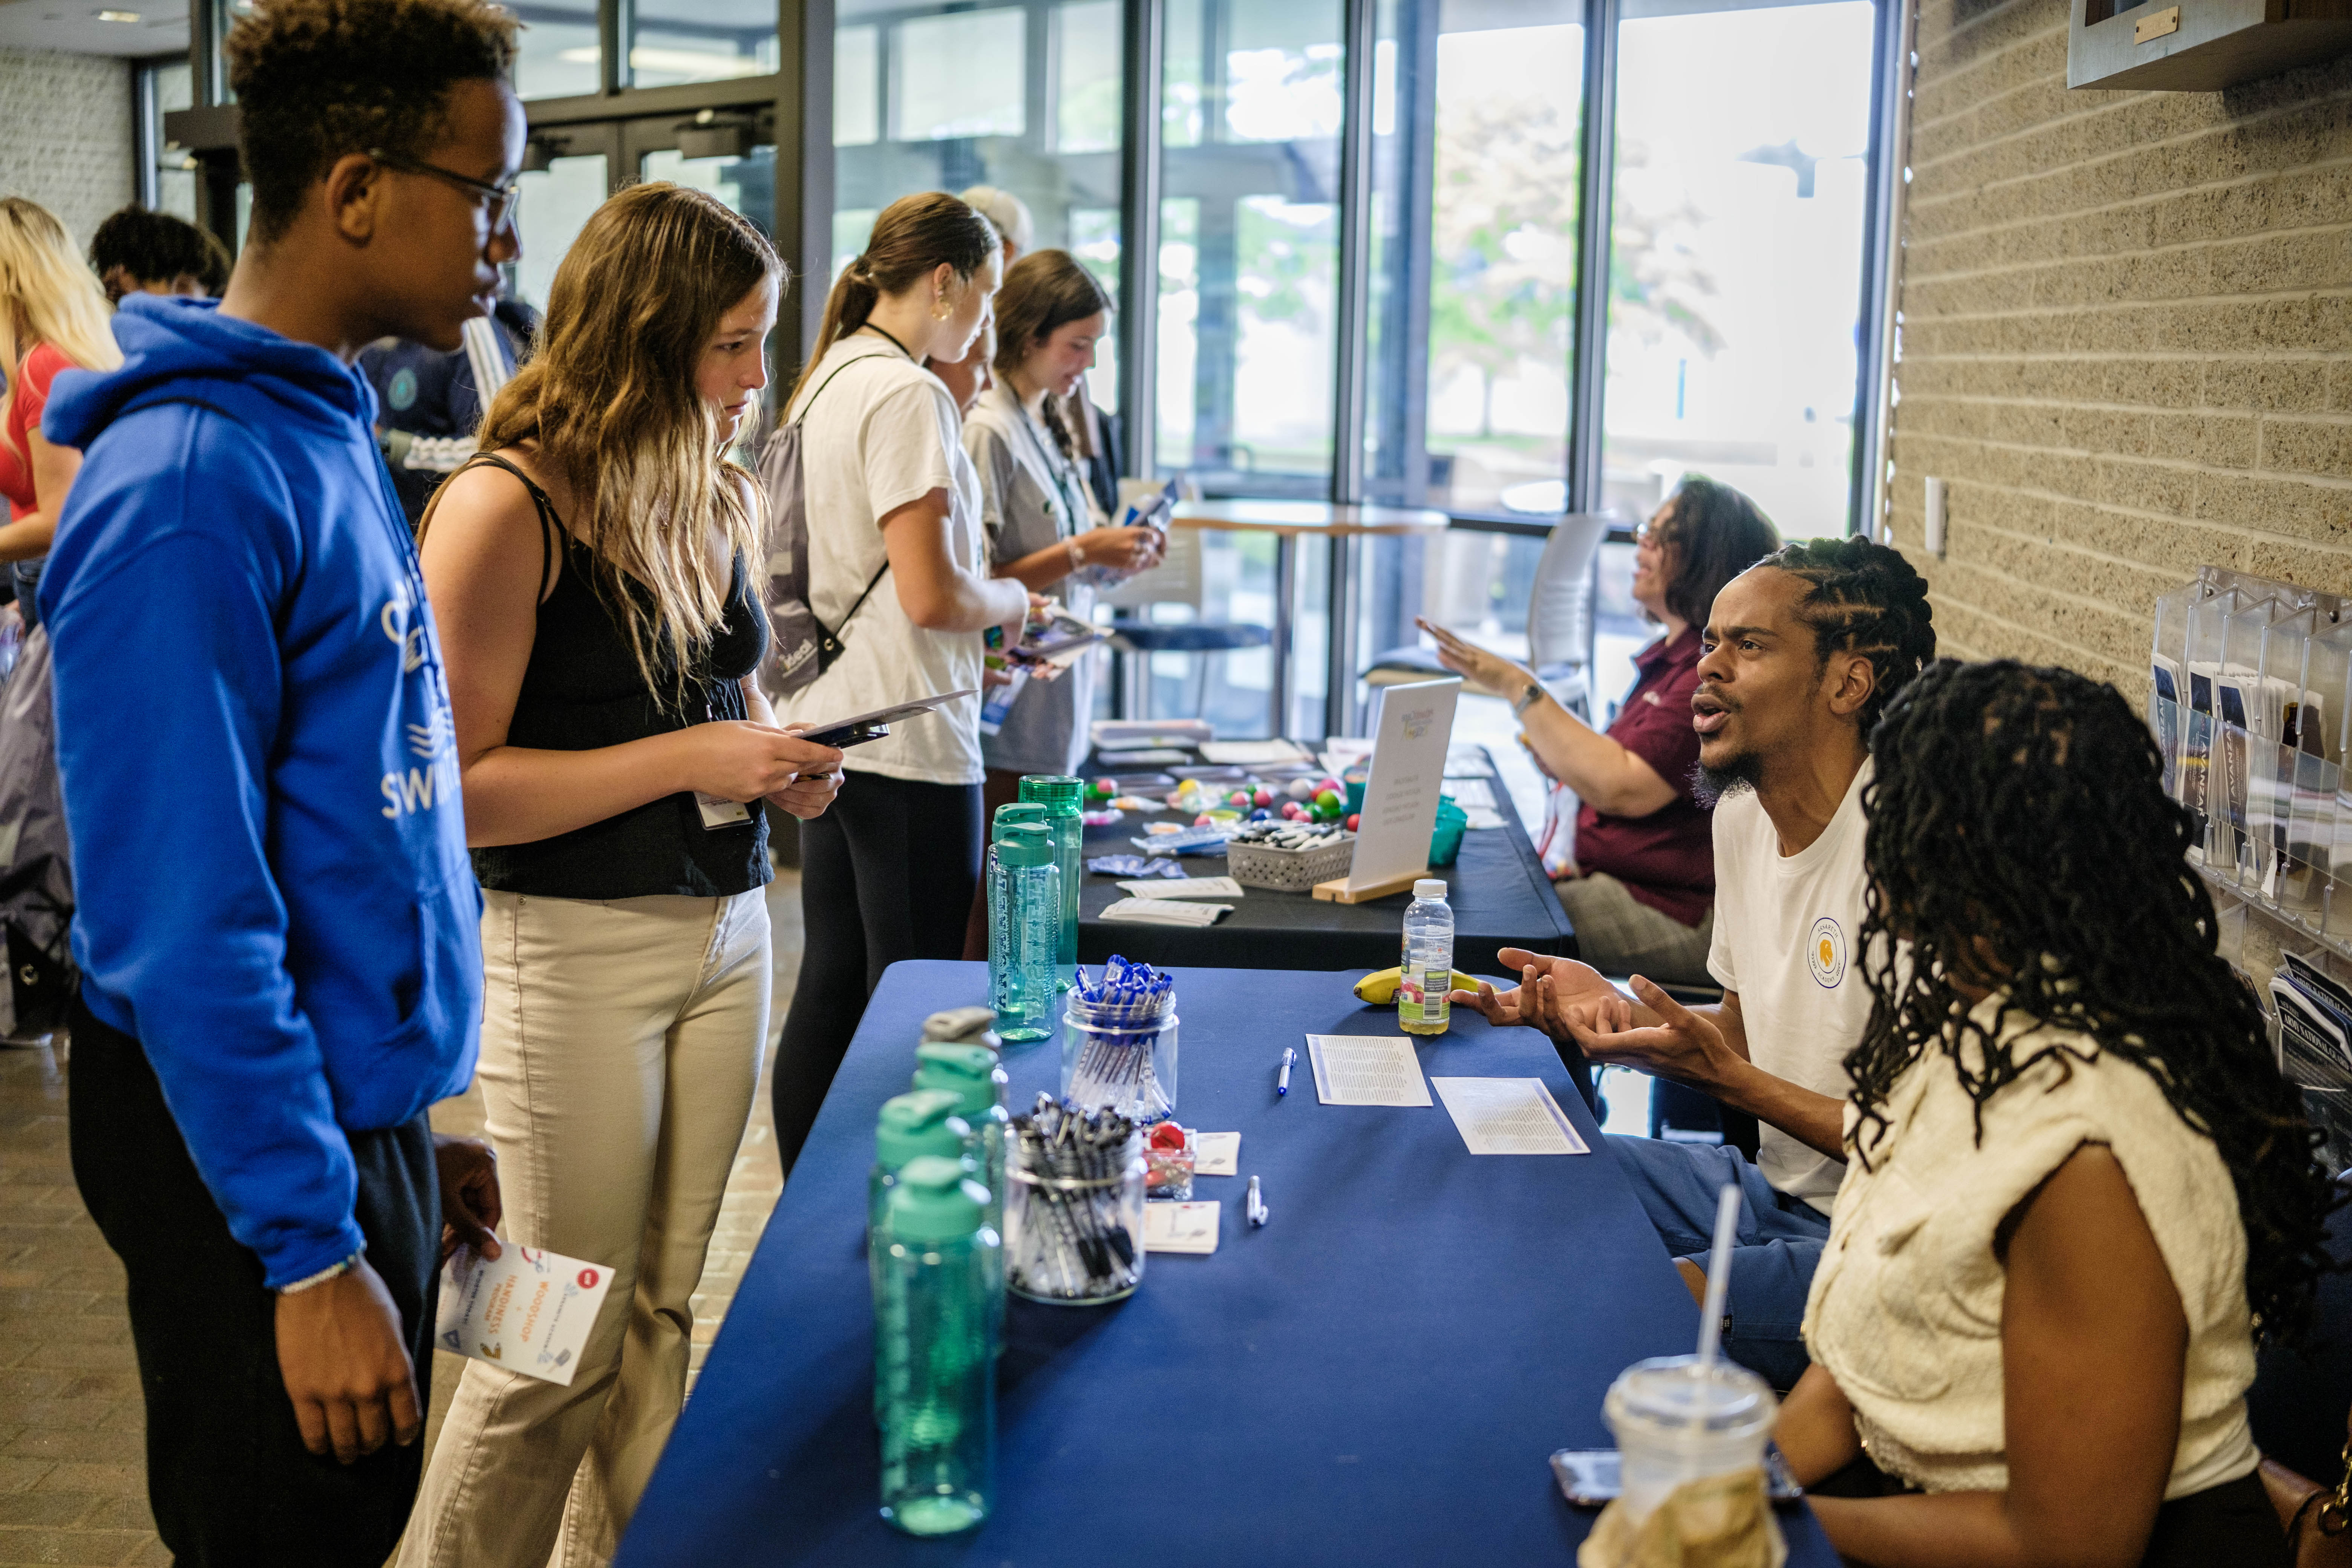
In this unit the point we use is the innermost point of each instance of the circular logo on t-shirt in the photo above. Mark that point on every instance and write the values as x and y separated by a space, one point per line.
1826 954
402 393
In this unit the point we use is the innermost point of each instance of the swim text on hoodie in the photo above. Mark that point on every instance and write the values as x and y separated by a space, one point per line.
258 765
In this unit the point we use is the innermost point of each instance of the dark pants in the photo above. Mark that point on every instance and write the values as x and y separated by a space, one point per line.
886 874
227 1475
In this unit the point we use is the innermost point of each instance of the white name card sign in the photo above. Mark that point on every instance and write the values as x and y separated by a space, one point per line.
1408 768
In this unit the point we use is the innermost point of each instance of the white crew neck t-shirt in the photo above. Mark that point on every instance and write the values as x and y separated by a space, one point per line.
885 433
1786 930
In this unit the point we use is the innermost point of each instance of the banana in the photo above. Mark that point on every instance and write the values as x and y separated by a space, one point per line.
1379 988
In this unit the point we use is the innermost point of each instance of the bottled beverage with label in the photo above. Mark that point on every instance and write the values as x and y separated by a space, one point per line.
1063 798
935 1328
1024 925
1420 996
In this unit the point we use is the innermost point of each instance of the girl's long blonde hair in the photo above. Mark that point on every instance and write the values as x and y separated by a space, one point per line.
47 295
610 398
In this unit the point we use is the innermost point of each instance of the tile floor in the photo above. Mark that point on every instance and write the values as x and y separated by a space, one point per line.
72 1483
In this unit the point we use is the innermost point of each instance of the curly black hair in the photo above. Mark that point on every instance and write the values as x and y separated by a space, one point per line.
1865 598
1717 532
2018 836
156 247
319 80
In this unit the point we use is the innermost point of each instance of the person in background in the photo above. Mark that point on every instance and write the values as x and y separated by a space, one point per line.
428 403
2076 1183
897 571
594 570
55 320
1043 529
136 251
1641 893
250 693
1801 655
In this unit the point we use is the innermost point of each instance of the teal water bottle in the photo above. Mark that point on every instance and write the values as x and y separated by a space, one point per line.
918 1124
935 1323
974 1075
1024 919
1061 796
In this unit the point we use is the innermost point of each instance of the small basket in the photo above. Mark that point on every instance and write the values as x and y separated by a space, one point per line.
1289 870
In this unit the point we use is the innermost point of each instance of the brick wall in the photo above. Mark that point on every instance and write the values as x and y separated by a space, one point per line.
2126 339
65 134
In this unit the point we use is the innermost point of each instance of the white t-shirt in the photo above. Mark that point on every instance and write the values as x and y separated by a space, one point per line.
885 433
1785 929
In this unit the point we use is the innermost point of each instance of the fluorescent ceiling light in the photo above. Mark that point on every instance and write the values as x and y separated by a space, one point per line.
125 16
673 62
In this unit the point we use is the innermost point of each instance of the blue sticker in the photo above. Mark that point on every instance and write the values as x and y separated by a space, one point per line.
402 394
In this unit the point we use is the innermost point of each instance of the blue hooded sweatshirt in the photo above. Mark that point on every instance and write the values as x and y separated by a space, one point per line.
259 766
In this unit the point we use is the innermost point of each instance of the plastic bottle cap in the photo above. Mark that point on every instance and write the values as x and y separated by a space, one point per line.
964 1070
1017 811
1428 888
976 1025
922 1123
1059 793
1023 845
935 1201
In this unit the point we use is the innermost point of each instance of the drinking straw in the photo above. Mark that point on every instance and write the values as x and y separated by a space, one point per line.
1718 1275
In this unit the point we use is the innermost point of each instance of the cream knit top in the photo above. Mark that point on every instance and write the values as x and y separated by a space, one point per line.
1905 1307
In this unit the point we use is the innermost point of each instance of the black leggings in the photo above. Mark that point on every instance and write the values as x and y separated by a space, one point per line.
886 873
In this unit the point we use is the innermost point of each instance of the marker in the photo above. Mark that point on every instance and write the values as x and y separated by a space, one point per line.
1258 1212
1282 1082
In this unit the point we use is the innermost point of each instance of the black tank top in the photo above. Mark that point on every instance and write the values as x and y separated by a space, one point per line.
582 690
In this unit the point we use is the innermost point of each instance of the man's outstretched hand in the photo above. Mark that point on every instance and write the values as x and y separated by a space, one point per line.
1679 1044
1565 986
470 1209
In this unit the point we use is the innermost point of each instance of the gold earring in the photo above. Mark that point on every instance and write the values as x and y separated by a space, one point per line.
939 310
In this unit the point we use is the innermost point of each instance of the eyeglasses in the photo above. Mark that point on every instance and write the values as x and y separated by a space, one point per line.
499 201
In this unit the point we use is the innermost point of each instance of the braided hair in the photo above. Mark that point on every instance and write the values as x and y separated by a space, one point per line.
2018 836
1865 598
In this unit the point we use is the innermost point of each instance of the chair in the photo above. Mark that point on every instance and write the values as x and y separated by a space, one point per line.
1176 581
1560 623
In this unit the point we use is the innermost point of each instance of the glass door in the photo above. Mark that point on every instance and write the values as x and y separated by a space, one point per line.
580 163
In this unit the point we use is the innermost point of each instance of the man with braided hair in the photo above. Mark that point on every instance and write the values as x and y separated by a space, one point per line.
1801 655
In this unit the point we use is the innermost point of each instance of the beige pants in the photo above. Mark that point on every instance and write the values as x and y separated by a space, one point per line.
621 1045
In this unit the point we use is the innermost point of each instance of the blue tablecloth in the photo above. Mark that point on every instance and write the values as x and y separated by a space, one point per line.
1378 1376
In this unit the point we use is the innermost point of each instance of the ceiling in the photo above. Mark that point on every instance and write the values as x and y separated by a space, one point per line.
74 25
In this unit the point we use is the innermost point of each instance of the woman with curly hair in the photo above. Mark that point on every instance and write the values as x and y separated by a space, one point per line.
2077 1185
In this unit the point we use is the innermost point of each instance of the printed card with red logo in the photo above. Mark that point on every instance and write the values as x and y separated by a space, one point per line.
526 1310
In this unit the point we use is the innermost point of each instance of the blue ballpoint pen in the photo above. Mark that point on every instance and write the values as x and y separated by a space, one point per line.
1282 1082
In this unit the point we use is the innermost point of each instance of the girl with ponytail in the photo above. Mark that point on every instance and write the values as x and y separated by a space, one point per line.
899 573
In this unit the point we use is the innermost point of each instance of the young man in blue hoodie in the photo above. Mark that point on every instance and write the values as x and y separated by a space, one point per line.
276 928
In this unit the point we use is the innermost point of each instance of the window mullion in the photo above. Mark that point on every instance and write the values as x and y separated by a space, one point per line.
1588 369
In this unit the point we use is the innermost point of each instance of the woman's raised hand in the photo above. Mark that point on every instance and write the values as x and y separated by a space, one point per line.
1123 549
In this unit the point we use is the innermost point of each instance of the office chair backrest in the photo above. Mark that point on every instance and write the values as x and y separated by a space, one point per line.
1560 611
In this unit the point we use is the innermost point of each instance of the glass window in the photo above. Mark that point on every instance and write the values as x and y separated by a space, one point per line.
1249 243
674 41
747 184
558 54
556 201
1024 98
856 87
1743 136
959 75
225 13
172 88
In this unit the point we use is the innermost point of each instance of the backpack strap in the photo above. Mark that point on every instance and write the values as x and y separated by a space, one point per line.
549 525
829 640
828 380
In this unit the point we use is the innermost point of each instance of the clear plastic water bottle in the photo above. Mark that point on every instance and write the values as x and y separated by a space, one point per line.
1025 922
912 1127
935 1330
978 1080
1422 1004
1063 798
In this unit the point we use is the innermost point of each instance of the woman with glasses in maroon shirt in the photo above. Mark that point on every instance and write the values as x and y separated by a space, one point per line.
1641 893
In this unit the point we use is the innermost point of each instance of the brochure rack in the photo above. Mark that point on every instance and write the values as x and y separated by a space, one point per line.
2250 704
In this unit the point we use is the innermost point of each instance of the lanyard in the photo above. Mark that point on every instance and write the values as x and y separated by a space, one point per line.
1060 471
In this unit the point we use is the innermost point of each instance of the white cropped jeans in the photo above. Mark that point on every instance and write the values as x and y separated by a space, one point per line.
621 1044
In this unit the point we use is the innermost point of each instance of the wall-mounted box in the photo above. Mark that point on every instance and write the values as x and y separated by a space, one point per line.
2201 45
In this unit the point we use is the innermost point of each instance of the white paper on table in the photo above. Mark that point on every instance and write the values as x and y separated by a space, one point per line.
1149 887
1410 727
1366 1069
1341 753
1470 794
1165 912
1216 1153
1481 820
1468 760
1180 1227
1508 1116
1253 753
525 1310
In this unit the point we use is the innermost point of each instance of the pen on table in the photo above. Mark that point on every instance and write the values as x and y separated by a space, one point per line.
1282 1082
1258 1212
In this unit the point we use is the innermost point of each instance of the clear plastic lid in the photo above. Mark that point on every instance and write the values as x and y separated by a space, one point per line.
1675 1396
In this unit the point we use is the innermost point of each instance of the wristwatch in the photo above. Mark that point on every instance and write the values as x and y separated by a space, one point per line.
1527 700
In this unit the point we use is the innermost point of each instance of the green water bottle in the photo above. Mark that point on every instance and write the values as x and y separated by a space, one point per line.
972 1074
1062 795
912 1126
935 1323
1025 921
